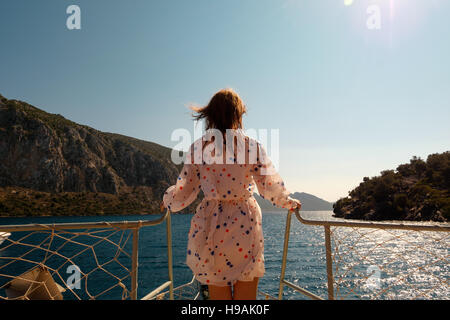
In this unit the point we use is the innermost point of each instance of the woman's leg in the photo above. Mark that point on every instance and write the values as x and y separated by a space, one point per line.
220 293
246 290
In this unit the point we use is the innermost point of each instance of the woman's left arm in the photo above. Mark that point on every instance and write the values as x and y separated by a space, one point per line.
270 184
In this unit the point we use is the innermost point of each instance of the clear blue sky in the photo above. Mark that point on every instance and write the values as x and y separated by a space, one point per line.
349 101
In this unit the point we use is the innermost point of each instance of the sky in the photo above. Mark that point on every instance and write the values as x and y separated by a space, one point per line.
354 87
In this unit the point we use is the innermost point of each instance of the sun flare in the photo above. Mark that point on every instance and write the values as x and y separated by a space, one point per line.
348 2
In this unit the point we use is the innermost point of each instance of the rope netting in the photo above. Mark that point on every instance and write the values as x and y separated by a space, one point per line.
390 263
67 264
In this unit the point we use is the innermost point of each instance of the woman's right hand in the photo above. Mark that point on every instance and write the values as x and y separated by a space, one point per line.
162 206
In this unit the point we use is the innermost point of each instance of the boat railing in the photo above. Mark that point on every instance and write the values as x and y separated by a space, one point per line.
34 262
106 243
358 240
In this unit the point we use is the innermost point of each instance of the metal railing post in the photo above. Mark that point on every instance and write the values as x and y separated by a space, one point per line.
169 254
285 250
329 263
134 267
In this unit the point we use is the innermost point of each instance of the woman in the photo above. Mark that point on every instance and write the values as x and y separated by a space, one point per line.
226 245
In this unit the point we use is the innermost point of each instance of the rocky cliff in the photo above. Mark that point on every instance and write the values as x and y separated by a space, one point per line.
47 156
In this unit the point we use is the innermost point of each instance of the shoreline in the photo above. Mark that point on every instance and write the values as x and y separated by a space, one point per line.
313 214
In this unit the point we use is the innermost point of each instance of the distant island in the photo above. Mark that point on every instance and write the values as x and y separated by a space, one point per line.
309 203
51 166
416 191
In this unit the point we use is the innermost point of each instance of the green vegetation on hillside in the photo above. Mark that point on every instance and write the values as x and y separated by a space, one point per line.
418 190
16 201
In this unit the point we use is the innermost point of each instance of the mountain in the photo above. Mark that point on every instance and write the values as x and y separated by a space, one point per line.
309 203
52 166
415 191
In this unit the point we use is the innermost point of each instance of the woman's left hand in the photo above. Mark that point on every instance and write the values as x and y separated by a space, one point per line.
298 205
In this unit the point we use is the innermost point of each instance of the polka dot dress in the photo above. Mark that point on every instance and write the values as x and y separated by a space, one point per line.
226 239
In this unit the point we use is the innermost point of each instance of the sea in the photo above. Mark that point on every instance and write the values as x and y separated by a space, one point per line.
367 263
